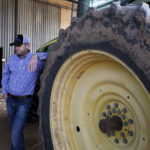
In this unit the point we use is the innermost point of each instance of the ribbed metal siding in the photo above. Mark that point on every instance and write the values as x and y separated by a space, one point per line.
0 22
39 21
7 17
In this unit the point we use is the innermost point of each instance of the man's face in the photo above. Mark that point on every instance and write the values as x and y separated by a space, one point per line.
22 50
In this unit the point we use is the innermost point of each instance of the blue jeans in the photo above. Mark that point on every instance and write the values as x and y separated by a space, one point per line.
17 114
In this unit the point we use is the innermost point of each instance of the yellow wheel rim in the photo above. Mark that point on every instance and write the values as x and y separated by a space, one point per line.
93 85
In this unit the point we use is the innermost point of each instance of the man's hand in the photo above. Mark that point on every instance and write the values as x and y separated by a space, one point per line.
33 63
5 96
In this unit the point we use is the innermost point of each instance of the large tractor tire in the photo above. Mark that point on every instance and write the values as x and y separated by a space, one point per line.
96 82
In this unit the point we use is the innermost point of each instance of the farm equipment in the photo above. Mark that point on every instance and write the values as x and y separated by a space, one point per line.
96 82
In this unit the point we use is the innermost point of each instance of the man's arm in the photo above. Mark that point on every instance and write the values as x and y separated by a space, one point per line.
34 60
5 79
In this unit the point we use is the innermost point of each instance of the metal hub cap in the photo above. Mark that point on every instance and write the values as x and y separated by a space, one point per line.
110 124
97 102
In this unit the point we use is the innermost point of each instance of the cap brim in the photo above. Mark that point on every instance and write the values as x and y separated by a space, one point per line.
15 43
11 44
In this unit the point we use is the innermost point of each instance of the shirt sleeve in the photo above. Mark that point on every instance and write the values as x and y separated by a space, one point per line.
42 56
5 79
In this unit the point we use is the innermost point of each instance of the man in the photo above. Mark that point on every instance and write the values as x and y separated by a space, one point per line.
18 83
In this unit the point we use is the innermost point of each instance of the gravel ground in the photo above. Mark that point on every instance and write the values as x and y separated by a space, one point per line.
31 131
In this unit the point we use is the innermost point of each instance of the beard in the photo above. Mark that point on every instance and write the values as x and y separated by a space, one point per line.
21 53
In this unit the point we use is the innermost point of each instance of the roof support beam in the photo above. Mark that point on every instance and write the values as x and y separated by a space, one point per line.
74 1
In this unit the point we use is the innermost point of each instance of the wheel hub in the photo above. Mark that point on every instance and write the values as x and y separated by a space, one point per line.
110 124
116 124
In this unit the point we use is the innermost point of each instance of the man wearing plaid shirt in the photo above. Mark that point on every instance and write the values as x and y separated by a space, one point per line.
18 83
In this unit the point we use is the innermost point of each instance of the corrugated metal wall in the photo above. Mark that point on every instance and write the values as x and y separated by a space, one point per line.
0 21
39 21
7 17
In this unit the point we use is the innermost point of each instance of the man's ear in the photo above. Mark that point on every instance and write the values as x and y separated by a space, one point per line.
28 46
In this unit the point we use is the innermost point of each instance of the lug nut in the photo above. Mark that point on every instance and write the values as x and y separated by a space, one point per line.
123 116
124 110
122 134
130 121
108 107
113 110
104 114
125 123
118 112
116 105
107 117
130 133
125 141
108 134
116 141
113 133
109 112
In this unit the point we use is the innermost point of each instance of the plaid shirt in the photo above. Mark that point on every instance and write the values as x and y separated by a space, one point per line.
17 80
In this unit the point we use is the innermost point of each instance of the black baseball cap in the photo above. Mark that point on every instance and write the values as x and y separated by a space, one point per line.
20 39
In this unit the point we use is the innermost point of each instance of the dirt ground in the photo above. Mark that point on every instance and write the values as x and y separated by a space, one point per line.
31 131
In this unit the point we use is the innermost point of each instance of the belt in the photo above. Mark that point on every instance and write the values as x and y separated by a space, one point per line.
19 97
